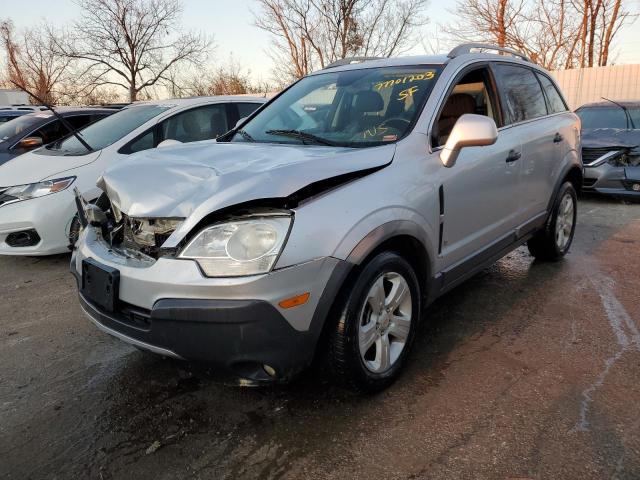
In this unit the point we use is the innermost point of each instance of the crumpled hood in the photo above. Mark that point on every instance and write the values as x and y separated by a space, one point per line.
196 179
32 167
611 137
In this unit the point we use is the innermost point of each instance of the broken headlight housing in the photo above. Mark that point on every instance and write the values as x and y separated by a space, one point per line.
246 246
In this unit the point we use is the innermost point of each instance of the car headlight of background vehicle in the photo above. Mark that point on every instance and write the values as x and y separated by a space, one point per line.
241 247
40 189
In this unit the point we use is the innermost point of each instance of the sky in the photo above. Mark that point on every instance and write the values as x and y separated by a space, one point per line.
231 24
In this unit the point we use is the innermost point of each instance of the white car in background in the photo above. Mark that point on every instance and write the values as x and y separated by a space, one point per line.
37 202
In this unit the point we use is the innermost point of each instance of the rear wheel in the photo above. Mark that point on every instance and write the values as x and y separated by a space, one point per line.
553 242
376 324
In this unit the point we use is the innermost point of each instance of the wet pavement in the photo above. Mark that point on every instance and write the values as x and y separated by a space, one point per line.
527 371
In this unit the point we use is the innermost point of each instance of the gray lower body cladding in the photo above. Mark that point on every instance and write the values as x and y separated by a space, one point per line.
237 336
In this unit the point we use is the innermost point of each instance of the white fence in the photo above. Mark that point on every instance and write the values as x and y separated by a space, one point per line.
585 85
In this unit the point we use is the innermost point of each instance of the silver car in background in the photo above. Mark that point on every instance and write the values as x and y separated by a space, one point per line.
611 147
324 224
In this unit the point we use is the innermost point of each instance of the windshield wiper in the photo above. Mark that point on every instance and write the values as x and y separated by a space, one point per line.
304 136
67 125
626 113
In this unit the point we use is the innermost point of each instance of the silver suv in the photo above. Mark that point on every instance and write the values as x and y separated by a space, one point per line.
323 225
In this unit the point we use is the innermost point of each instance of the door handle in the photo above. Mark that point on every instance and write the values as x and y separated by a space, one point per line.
558 138
513 156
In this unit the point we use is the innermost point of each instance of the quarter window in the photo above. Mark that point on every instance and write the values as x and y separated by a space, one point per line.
522 93
556 104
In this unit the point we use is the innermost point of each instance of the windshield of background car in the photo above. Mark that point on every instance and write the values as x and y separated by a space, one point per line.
20 124
107 131
608 117
353 108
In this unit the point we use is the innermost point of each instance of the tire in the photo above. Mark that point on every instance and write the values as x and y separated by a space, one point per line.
389 331
74 231
553 242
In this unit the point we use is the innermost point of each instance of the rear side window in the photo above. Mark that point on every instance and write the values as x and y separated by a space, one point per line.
556 104
246 109
521 91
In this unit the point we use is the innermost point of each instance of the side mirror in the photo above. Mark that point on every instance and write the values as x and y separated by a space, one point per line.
30 143
169 142
469 131
240 122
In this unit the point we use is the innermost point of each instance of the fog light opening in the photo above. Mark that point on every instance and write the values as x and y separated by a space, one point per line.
269 370
635 187
25 238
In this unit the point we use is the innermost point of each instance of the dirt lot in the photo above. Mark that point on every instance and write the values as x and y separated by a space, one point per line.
528 371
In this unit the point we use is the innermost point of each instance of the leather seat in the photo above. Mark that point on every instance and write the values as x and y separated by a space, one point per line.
456 105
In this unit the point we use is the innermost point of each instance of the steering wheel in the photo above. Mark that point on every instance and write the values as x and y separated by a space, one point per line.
401 124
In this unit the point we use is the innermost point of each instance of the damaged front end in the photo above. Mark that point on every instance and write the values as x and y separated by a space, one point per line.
138 238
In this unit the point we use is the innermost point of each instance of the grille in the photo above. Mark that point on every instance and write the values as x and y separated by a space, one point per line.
590 155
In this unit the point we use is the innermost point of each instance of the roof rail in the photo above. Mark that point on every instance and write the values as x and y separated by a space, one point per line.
468 47
350 61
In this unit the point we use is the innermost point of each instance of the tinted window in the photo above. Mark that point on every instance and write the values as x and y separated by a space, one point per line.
354 108
556 104
607 117
521 92
51 132
144 142
107 131
246 109
203 123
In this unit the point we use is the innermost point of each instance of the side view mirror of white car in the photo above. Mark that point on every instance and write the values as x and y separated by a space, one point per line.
169 142
240 122
469 131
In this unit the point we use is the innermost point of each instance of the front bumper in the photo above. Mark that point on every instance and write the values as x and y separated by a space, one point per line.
611 180
50 216
234 324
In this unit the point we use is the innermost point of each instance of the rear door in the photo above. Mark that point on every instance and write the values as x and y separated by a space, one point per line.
526 113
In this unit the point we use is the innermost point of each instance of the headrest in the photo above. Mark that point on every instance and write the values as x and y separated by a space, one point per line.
458 104
368 101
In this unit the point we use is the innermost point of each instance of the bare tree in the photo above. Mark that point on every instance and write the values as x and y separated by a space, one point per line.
553 33
225 80
31 62
310 34
130 43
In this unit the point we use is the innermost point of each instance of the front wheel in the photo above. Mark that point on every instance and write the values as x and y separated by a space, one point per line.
376 324
552 243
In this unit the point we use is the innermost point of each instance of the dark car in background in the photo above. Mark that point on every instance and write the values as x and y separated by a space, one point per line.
32 130
611 147
8 115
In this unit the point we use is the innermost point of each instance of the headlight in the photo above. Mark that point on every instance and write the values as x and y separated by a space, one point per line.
34 190
237 248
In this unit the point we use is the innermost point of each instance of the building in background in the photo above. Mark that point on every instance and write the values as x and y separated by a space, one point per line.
585 85
13 97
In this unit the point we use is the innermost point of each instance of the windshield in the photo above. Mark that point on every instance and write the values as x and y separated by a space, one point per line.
105 132
607 117
20 124
354 108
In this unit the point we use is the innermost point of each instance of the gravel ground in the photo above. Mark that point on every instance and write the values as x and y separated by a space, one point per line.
527 371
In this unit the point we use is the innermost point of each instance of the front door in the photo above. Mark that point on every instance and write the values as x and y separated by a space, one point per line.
479 193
